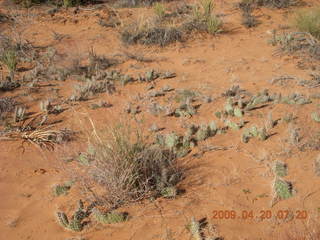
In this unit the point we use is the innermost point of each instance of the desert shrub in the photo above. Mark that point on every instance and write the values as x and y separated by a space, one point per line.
277 3
248 19
297 42
309 21
64 3
135 3
160 30
151 34
270 3
204 19
9 59
159 10
129 168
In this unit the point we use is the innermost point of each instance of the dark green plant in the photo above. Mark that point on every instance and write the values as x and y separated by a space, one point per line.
75 223
109 217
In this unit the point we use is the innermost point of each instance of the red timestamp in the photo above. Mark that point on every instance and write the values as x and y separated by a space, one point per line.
262 214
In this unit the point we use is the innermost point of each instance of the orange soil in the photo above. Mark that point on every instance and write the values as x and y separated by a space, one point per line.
207 64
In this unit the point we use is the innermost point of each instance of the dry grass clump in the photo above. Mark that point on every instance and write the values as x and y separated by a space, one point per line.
150 32
203 19
34 132
297 42
129 168
309 21
272 3
277 3
60 3
7 105
163 30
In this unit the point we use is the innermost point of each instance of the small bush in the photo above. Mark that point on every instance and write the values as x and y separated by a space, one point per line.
204 19
151 35
309 21
159 10
9 59
129 168
248 20
75 223
109 217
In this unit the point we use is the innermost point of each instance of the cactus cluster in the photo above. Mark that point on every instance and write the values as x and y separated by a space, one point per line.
185 110
181 144
260 133
169 192
82 92
149 76
109 217
85 158
75 223
295 98
232 125
260 98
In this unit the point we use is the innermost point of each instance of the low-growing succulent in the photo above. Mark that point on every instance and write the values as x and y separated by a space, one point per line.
280 169
233 125
100 104
229 107
238 112
169 192
295 98
283 189
171 140
255 101
62 189
185 110
194 228
315 116
203 133
109 217
75 223
248 133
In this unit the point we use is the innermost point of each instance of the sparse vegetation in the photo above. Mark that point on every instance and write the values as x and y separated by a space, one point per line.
109 217
9 59
75 223
63 189
129 168
308 21
283 189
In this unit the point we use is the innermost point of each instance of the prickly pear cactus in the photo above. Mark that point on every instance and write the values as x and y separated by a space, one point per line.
75 223
238 112
203 133
108 218
171 140
283 189
315 116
